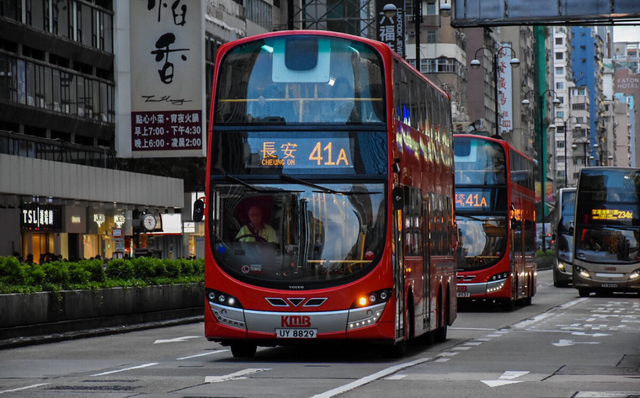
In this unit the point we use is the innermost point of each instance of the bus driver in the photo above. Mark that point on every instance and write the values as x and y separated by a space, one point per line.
256 230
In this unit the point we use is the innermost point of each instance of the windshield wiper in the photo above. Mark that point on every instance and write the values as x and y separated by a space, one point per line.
321 188
254 188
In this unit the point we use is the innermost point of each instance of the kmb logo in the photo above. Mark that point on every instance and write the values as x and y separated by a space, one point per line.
295 320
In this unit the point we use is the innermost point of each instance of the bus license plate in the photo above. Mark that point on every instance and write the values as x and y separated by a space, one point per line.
296 333
464 294
609 285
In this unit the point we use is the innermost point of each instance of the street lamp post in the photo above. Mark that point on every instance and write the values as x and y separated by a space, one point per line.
542 155
515 62
575 126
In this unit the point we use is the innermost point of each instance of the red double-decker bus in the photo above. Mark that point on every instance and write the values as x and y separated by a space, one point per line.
496 216
329 198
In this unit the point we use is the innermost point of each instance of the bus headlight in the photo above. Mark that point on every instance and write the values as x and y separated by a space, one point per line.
561 266
221 298
635 274
496 277
583 272
372 298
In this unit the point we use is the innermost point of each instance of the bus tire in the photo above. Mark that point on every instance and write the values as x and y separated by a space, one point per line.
440 334
397 350
243 349
508 305
584 292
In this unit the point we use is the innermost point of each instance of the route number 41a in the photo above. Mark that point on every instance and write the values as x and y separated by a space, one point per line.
318 151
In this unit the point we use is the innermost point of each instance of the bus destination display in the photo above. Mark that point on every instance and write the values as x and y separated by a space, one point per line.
474 199
303 152
611 214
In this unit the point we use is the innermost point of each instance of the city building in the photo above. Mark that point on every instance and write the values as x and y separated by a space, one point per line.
588 71
62 189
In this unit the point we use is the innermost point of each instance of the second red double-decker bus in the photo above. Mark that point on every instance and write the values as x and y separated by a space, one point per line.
329 195
495 212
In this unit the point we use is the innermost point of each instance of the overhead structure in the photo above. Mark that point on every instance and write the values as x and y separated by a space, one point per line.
468 13
356 17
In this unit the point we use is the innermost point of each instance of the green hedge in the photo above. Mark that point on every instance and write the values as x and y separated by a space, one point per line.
93 274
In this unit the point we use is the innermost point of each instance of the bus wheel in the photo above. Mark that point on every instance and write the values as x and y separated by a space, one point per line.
243 350
583 292
397 350
508 305
440 334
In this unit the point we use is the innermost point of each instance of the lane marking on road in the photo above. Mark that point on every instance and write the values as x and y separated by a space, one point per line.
487 329
176 340
368 379
570 342
146 365
239 375
447 354
204 354
506 378
606 394
396 377
533 320
24 388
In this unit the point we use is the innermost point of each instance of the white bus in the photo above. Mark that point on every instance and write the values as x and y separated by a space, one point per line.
563 266
607 231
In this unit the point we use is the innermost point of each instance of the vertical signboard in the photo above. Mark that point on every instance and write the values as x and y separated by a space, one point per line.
167 87
391 30
505 89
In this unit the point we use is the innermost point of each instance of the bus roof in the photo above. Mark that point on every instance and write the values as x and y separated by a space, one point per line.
379 46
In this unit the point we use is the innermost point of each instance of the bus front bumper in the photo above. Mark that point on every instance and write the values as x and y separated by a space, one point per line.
491 289
606 281
238 323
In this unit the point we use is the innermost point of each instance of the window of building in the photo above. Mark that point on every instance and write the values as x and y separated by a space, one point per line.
431 7
559 55
559 85
431 36
560 70
560 114
560 144
559 40
581 91
579 107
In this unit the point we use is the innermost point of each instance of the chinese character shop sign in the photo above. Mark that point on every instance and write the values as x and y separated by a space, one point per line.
167 89
505 88
391 30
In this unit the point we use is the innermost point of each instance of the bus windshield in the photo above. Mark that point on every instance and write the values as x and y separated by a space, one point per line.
479 162
566 224
302 79
608 215
483 240
301 234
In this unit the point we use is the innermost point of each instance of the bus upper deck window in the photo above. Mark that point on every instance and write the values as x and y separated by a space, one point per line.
301 53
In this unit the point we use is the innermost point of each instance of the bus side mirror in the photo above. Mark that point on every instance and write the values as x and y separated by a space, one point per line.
398 198
198 210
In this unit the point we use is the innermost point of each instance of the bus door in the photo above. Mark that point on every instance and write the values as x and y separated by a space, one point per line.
397 258
426 293
513 255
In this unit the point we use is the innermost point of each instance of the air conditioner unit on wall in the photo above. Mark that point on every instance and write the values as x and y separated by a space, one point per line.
412 33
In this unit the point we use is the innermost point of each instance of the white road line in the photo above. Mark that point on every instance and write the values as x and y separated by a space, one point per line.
146 365
369 379
533 320
233 376
24 388
396 377
487 329
204 354
606 394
